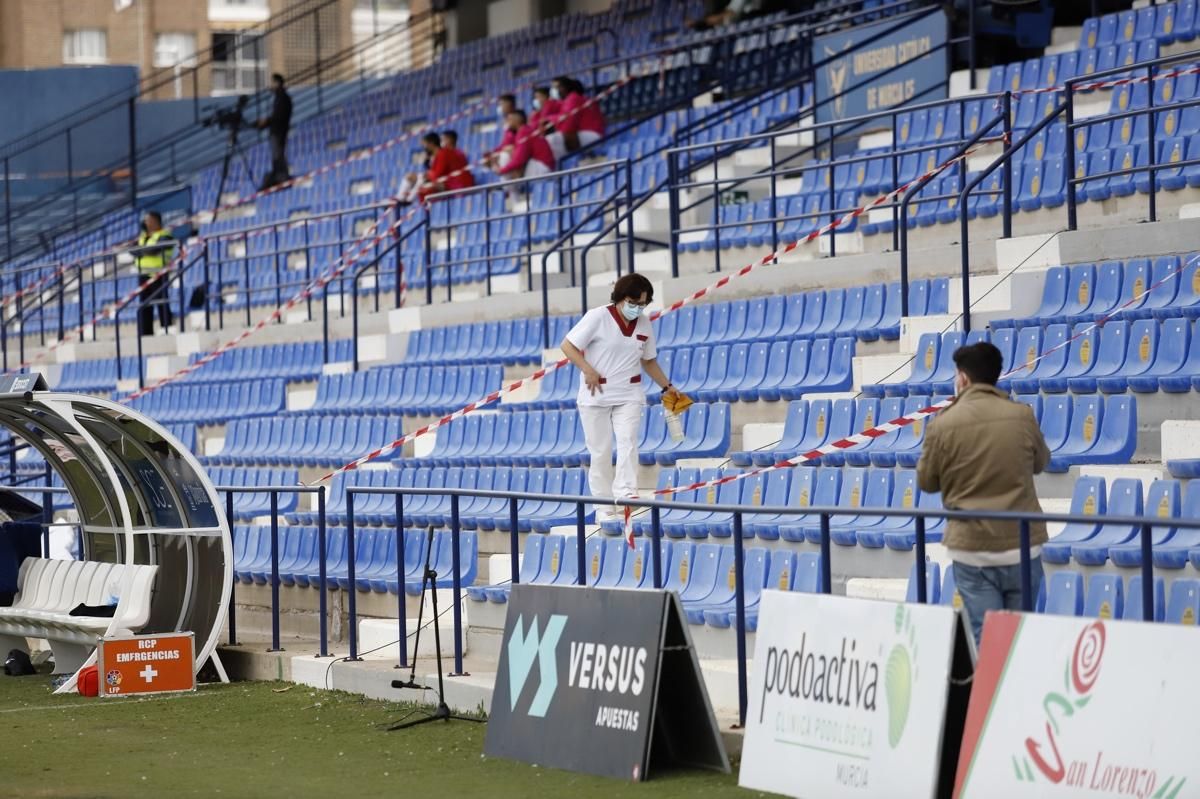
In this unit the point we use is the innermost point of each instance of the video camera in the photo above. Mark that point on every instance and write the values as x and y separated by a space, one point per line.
228 118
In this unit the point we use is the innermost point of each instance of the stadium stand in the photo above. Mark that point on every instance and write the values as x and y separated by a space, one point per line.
1103 351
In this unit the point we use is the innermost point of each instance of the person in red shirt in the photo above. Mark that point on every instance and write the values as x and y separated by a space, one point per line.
460 176
545 110
580 121
446 167
498 156
531 156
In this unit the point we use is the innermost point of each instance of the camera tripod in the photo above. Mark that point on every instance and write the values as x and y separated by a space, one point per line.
442 711
232 148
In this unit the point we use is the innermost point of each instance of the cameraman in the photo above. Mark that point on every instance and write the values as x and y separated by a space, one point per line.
277 126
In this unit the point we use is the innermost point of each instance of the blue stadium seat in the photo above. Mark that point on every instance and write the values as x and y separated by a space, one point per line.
1133 609
1105 597
1125 499
1183 603
1102 431
933 583
1089 498
1064 596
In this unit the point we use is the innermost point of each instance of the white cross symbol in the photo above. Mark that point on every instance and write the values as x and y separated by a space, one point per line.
148 673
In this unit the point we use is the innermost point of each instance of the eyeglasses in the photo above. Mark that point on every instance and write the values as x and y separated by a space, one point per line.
638 304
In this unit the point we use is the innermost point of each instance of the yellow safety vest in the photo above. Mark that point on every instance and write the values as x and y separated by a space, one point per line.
151 262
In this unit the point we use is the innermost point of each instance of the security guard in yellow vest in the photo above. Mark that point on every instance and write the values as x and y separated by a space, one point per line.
155 249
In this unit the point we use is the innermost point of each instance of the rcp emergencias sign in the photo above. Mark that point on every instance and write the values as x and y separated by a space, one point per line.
1070 707
848 697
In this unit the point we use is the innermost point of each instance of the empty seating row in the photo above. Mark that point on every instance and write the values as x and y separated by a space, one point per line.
759 371
555 438
375 558
1095 544
95 376
411 390
702 575
305 440
1085 292
870 313
810 424
213 404
1144 356
855 489
1108 596
301 361
1062 593
249 504
475 513
517 341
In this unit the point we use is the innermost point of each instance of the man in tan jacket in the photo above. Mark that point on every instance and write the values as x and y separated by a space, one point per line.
982 453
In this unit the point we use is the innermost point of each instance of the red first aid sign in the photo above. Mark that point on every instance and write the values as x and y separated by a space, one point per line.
146 664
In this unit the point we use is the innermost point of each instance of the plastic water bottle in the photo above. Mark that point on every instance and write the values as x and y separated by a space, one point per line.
674 425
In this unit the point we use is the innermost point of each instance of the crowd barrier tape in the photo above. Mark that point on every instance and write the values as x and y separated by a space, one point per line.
317 283
364 244
110 310
903 421
717 286
1112 83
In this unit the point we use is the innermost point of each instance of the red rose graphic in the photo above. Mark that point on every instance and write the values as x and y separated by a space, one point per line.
1085 663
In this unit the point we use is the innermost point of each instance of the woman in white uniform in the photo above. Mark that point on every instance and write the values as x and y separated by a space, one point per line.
611 346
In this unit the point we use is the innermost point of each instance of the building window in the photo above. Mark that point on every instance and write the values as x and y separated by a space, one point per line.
175 48
87 46
239 63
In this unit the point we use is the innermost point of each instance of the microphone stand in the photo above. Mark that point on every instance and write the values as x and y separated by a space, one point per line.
442 711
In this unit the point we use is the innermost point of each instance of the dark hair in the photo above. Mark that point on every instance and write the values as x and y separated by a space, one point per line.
542 90
511 98
451 135
155 215
432 138
275 76
576 86
981 362
562 79
521 114
632 287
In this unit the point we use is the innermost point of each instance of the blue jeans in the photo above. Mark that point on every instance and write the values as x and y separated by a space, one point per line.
985 588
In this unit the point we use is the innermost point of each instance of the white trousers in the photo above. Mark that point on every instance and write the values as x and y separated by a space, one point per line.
601 425
559 147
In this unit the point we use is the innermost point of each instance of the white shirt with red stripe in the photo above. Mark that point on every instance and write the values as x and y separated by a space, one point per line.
615 347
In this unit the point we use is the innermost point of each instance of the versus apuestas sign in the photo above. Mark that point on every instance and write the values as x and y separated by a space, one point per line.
1069 707
849 697
858 76
584 674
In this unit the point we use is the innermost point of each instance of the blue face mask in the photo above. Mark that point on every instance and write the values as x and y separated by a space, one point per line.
537 104
630 312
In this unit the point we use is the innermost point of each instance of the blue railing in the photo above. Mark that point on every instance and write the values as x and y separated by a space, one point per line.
920 517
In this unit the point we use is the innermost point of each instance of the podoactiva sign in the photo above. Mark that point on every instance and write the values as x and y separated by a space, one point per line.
1068 707
849 697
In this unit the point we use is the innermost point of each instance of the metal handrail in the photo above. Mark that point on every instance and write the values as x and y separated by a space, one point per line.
919 516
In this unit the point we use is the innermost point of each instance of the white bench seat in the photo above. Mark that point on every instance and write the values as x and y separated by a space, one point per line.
48 589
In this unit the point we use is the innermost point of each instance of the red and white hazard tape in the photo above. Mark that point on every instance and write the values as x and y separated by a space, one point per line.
903 421
1113 83
365 243
109 310
724 281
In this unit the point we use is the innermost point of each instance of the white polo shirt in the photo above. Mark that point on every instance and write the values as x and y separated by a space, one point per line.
615 347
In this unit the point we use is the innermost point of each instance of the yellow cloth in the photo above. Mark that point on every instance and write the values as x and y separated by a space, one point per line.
151 262
676 401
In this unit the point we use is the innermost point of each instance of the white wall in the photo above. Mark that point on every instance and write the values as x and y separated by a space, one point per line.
505 16
588 6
